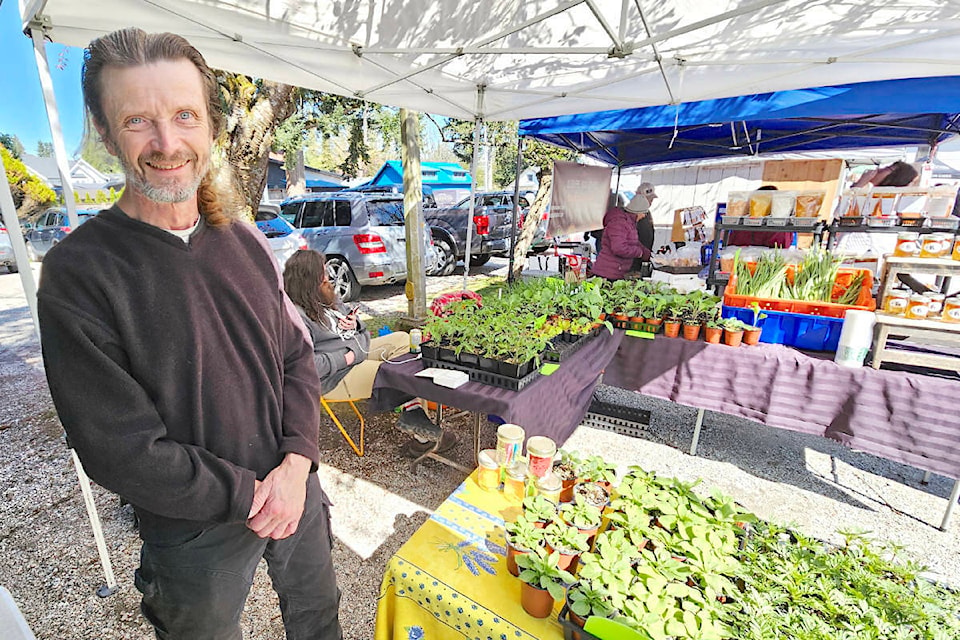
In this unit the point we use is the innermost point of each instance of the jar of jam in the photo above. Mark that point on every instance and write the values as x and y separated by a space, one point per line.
935 305
956 248
908 245
488 470
515 482
918 307
896 302
932 245
549 487
951 310
540 452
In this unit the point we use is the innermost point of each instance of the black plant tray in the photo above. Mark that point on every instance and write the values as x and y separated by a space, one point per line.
561 349
626 325
569 629
486 377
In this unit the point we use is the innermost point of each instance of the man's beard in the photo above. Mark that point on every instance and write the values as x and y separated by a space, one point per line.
167 194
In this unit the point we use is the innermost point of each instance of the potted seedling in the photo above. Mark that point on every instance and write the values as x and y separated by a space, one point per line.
522 537
751 333
713 331
588 598
591 493
567 468
691 323
568 541
586 518
657 309
539 510
733 332
595 469
543 582
674 317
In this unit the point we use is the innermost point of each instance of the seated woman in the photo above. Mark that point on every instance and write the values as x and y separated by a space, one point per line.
621 243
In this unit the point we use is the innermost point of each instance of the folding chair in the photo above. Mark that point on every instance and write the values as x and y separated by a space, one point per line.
356 386
333 416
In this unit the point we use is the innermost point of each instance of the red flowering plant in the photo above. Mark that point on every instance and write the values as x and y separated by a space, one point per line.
440 304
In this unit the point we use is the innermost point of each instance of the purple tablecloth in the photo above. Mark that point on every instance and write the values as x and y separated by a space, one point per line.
905 417
551 406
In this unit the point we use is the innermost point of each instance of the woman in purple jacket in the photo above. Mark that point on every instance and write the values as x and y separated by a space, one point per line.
620 243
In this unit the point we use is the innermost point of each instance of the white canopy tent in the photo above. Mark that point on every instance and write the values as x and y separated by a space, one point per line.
514 59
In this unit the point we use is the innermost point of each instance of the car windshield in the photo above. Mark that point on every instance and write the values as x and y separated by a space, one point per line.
385 213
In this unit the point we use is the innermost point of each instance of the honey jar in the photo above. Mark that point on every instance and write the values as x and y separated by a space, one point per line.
488 470
933 245
515 483
549 487
956 249
935 305
951 310
896 303
908 245
918 307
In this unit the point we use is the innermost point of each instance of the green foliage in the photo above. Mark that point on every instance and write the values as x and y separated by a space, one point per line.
44 149
95 152
539 509
12 144
29 193
565 538
580 514
542 571
522 534
587 598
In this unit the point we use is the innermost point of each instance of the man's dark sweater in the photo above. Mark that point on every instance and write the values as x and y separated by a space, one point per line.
181 372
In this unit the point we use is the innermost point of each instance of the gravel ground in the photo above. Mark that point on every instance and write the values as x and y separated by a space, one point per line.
49 562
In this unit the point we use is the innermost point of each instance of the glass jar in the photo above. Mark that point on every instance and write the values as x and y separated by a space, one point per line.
515 482
540 453
907 245
549 487
918 308
488 470
896 302
932 245
956 249
951 311
935 305
509 446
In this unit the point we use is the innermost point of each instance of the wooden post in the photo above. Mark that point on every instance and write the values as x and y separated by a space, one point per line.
416 288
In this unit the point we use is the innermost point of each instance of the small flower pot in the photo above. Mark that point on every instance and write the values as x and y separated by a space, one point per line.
568 559
712 334
566 483
537 602
487 364
671 329
430 350
469 359
655 321
691 331
512 554
751 337
732 338
446 355
599 497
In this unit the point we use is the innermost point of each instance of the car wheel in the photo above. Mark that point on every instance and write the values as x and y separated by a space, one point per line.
478 261
344 282
12 268
446 259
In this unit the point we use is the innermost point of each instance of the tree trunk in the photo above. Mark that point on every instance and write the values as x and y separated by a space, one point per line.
296 174
256 109
525 237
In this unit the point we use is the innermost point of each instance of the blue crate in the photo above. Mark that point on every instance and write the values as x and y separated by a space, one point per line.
799 330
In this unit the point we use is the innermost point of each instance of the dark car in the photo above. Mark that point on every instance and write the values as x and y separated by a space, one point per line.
51 227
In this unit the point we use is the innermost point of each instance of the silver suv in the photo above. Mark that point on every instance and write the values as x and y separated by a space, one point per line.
362 235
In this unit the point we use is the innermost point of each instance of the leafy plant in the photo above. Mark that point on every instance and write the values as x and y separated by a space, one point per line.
539 509
563 537
580 514
542 572
587 598
522 534
596 469
732 324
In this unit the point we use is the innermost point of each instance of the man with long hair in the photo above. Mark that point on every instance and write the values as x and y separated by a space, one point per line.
182 374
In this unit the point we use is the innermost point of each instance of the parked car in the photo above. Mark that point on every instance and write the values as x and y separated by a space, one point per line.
7 258
362 235
283 237
492 216
51 227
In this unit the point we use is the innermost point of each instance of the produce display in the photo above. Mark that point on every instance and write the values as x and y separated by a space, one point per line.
764 207
660 558
891 206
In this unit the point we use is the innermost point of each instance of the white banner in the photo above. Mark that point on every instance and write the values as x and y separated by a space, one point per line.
580 197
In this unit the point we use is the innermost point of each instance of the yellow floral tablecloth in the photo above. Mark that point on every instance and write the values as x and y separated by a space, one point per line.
450 579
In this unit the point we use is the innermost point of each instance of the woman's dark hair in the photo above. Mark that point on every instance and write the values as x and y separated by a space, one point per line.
768 187
901 175
306 285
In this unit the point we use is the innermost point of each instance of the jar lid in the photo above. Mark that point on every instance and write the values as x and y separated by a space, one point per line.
936 296
549 482
541 446
919 298
518 470
510 432
488 459
898 293
908 235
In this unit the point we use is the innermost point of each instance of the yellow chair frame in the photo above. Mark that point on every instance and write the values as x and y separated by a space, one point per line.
333 416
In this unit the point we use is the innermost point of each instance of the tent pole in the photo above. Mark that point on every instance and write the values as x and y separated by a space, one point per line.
15 233
60 152
619 167
416 286
516 208
478 122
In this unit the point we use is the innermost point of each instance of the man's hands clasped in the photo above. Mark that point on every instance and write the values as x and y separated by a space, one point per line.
279 500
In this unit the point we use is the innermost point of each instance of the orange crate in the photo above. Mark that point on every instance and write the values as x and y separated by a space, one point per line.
865 300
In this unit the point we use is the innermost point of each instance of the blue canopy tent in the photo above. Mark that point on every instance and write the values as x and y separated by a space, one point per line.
911 112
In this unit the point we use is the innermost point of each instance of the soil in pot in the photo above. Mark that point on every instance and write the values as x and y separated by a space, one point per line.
671 329
732 338
592 493
568 478
537 602
751 337
691 331
712 334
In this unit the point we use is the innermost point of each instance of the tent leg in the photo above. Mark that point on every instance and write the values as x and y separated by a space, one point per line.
951 503
110 587
516 208
15 233
473 182
696 432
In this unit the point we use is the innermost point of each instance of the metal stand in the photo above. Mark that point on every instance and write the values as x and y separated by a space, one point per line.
951 503
696 432
110 587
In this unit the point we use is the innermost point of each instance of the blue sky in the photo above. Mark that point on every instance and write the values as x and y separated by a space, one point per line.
21 108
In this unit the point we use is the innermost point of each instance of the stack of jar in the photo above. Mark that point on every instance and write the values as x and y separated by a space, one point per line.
506 469
931 245
928 306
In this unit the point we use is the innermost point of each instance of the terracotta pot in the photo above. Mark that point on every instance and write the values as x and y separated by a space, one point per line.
577 620
732 338
568 561
566 490
512 554
620 316
655 321
751 337
671 329
691 331
590 533
712 334
537 602
637 319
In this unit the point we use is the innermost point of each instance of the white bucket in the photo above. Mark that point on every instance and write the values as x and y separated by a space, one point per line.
855 338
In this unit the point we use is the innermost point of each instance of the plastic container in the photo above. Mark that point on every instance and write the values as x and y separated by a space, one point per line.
737 203
918 308
540 453
864 302
956 249
798 330
808 204
549 487
488 470
896 303
782 204
855 338
908 244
